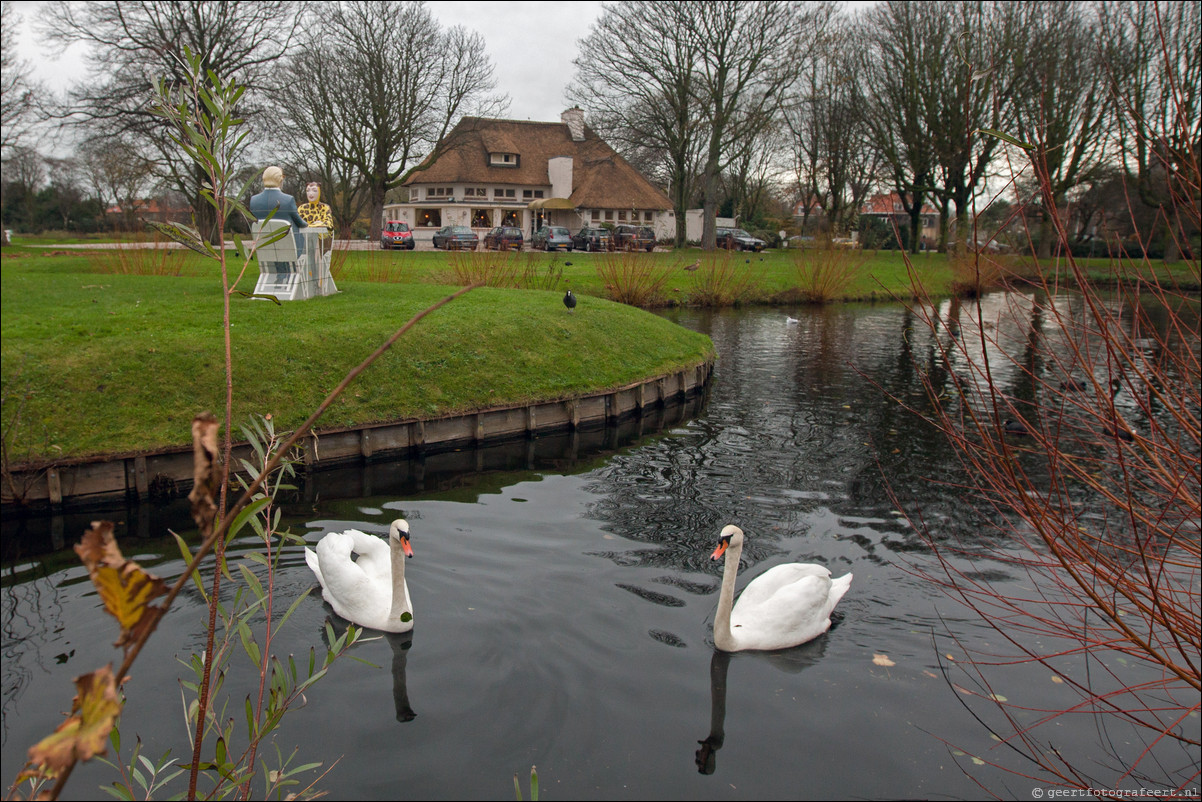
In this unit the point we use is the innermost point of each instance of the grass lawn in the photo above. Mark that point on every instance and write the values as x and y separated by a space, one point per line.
113 352
101 363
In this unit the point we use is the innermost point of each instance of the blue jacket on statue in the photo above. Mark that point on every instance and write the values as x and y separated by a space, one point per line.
284 206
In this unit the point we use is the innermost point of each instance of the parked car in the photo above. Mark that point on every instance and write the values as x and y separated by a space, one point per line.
739 240
504 238
634 238
455 238
396 235
592 239
551 238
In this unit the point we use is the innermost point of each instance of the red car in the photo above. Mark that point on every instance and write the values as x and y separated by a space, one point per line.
396 235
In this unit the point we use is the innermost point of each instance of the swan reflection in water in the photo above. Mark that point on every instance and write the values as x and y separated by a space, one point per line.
790 661
400 643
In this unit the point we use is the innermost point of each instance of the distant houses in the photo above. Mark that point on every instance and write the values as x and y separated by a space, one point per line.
889 207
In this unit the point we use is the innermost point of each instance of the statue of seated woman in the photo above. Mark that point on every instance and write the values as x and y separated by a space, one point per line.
316 213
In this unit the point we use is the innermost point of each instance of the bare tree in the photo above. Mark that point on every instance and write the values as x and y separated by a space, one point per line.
749 53
833 160
1153 56
904 53
133 43
25 171
976 88
384 84
117 175
635 78
1060 106
750 181
16 91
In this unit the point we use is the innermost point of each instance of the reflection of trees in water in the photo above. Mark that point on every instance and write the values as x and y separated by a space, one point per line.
32 619
797 423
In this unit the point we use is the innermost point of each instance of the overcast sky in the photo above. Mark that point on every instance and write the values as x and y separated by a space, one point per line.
531 44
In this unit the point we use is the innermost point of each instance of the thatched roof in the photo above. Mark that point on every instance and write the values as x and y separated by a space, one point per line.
601 179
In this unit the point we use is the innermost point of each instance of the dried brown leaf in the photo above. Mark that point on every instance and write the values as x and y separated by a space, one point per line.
206 478
85 732
124 586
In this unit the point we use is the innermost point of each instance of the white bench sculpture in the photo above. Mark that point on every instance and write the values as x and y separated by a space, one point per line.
286 274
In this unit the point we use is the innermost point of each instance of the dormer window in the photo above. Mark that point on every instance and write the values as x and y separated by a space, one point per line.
503 159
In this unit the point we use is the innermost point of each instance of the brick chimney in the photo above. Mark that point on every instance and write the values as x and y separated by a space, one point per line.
573 118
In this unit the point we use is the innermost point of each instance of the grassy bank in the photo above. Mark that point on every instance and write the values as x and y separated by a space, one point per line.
96 363
111 352
775 276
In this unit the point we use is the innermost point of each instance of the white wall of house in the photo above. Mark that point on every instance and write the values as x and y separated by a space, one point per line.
694 222
458 211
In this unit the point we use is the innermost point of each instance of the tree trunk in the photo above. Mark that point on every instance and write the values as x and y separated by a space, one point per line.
709 206
1047 232
375 210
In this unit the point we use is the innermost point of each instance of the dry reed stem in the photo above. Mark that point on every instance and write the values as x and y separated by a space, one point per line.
723 280
145 255
508 268
632 278
825 272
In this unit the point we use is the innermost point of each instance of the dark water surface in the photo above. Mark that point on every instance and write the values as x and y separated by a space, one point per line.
564 604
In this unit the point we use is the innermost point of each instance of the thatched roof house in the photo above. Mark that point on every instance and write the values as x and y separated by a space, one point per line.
489 173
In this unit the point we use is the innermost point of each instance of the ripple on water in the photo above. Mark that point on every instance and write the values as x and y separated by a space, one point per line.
652 596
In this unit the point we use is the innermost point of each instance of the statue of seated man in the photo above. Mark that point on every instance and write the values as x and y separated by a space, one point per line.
273 199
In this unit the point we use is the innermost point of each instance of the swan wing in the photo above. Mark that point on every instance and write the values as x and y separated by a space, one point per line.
375 556
767 584
354 593
793 613
314 565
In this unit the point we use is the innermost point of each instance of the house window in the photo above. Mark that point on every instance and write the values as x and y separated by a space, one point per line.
622 216
647 217
439 192
510 218
474 192
527 194
499 194
429 218
503 159
481 218
609 215
596 214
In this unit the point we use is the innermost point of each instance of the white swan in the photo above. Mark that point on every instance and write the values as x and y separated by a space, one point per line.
371 590
785 606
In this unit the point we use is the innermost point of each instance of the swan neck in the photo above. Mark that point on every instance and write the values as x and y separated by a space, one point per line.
723 638
400 602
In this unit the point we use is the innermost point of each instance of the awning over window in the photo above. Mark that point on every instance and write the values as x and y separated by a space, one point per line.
551 203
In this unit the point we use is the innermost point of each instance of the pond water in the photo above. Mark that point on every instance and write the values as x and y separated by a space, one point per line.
564 598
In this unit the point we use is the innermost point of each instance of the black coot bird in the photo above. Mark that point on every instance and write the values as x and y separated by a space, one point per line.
1017 428
569 300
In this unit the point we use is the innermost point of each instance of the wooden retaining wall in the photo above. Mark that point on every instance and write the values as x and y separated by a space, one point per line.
141 476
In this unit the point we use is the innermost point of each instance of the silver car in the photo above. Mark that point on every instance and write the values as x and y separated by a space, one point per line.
552 238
